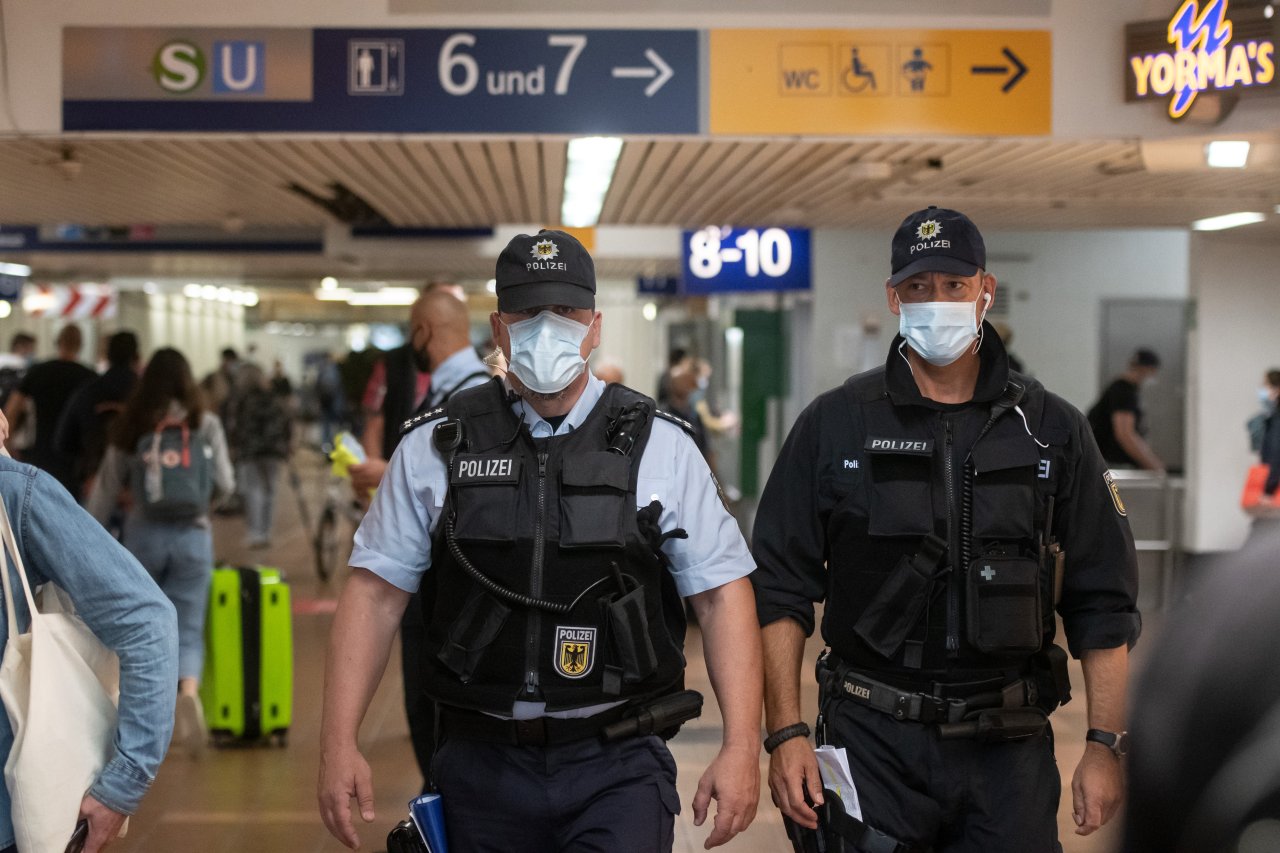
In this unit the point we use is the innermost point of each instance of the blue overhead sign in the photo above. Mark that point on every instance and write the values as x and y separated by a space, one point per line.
580 81
722 260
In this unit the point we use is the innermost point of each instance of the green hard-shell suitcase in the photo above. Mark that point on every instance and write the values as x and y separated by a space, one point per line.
247 689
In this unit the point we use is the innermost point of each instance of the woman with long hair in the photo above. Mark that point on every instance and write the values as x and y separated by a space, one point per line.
167 460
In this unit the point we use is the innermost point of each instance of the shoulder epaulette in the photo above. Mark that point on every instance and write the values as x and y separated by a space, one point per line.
675 419
418 420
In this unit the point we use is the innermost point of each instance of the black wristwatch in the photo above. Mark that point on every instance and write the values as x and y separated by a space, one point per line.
1117 743
785 734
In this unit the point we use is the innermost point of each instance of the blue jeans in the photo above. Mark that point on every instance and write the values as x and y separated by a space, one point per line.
257 479
179 555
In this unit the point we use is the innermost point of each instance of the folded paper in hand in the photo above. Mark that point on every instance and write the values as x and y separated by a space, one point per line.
833 765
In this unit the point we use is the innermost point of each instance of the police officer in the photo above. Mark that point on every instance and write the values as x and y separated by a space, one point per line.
941 506
558 521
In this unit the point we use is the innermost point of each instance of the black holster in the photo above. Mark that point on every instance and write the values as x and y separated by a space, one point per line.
998 725
662 716
1051 677
837 832
405 839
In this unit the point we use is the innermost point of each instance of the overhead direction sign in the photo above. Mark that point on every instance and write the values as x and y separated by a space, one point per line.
907 82
720 259
472 80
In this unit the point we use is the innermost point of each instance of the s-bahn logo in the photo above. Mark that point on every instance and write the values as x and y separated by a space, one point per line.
1207 52
575 651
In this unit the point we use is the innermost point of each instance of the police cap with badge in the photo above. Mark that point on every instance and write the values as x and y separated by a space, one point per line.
547 268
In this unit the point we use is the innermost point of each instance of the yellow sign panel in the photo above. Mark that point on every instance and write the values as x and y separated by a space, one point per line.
892 82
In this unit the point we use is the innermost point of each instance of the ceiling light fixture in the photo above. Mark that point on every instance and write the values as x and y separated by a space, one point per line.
1226 154
385 296
19 270
592 160
1229 220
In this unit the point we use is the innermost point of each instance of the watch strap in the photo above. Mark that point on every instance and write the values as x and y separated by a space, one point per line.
1111 740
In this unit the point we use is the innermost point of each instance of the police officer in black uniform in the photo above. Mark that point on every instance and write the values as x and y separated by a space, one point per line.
558 522
943 506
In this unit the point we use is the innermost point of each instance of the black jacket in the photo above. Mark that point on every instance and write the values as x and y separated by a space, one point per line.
1271 452
833 501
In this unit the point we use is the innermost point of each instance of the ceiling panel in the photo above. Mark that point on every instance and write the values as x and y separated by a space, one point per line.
467 182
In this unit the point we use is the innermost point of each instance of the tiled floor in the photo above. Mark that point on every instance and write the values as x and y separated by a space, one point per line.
263 800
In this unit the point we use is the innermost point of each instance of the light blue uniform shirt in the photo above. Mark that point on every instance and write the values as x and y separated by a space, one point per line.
394 540
463 369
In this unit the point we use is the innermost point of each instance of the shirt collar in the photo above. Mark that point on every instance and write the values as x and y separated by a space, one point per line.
539 428
993 372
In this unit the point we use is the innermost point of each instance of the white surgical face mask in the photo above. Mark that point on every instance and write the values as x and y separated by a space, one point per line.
939 331
546 351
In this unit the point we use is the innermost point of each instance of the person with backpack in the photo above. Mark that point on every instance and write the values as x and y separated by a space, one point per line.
167 459
261 435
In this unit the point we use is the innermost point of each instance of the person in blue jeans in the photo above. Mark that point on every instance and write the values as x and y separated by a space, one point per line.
177 552
58 541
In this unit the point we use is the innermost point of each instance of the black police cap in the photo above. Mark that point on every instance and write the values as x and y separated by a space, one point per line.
937 240
547 268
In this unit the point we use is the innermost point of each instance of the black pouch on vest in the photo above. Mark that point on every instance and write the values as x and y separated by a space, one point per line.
593 500
629 628
1002 597
481 619
893 613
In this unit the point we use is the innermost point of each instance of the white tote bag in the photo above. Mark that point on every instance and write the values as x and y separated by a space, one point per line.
60 686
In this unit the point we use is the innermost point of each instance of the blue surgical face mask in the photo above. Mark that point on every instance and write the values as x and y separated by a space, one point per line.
1265 398
939 331
546 351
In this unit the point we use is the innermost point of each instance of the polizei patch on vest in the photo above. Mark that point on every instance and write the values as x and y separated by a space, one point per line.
575 651
468 470
916 446
1115 492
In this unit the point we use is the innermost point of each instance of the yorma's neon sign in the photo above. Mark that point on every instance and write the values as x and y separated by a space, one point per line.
1203 57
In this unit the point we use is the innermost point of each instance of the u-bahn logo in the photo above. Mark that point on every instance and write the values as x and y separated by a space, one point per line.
1203 56
575 651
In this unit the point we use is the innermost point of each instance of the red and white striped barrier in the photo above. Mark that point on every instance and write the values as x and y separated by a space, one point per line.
71 301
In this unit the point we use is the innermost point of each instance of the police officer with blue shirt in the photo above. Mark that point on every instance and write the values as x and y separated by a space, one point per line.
943 506
558 522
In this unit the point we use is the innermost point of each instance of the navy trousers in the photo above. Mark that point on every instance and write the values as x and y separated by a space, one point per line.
582 797
953 796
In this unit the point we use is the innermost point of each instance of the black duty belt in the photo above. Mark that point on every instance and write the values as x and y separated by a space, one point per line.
540 731
921 707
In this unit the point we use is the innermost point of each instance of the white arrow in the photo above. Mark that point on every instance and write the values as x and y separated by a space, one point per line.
661 72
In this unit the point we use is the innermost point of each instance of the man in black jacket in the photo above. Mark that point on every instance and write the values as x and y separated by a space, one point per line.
82 429
926 503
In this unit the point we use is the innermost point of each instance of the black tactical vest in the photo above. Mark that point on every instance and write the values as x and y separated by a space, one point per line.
988 516
552 520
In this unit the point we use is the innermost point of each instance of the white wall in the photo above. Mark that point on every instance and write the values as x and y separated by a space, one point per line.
1055 285
1234 341
627 337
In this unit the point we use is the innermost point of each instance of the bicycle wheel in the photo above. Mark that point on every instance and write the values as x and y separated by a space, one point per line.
326 544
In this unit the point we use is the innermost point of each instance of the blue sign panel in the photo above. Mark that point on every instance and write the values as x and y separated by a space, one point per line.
11 286
390 81
658 285
722 260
